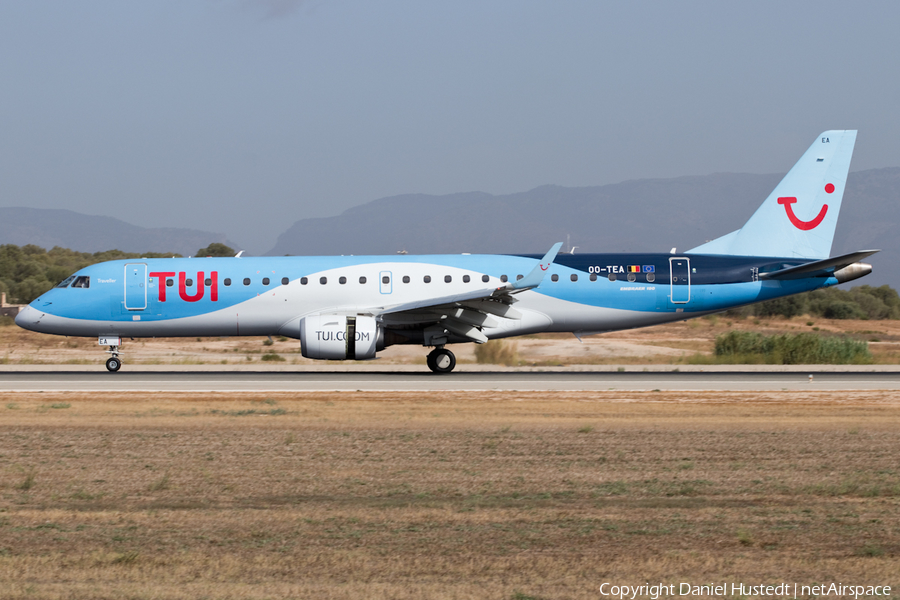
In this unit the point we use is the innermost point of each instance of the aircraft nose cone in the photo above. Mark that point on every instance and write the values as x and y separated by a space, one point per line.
27 316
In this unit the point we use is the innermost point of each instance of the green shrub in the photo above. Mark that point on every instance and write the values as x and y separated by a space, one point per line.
862 302
842 310
790 349
216 249
271 356
789 306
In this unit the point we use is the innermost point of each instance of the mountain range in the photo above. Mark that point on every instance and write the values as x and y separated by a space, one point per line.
652 215
85 233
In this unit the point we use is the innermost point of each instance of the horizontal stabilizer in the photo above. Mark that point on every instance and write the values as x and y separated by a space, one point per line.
819 268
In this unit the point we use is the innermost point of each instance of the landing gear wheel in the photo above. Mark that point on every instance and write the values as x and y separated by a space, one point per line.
441 360
113 364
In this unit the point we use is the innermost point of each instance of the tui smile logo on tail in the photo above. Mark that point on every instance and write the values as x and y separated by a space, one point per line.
805 225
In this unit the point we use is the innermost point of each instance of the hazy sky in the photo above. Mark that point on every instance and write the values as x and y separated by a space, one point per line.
243 116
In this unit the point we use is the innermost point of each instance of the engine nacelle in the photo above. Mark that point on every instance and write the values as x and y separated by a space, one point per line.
339 337
854 271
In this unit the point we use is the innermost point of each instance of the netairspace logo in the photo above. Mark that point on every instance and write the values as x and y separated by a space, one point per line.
779 590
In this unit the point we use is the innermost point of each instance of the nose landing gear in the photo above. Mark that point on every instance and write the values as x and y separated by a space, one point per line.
113 363
440 360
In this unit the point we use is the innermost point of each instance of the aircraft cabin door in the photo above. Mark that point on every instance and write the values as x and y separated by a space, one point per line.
680 280
136 286
384 279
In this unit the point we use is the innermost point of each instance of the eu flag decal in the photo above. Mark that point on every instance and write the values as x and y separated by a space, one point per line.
649 269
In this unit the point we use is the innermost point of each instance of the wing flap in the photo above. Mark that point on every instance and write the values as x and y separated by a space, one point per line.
494 307
465 330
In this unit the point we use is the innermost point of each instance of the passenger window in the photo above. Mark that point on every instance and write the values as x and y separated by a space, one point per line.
265 281
285 281
342 280
323 280
65 282
304 281
612 276
406 279
518 277
485 278
554 277
573 277
385 280
631 277
227 282
428 279
82 282
246 281
651 277
362 280
593 277
447 279
207 282
188 282
466 279
504 278
169 283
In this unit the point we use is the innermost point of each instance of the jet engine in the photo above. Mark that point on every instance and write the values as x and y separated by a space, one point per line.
339 337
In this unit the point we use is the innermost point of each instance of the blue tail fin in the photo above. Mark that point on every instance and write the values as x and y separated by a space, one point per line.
799 217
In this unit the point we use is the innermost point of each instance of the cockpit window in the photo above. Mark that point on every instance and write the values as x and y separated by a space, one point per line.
82 282
65 282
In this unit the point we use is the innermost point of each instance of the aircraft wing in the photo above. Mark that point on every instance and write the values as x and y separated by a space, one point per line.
819 268
468 313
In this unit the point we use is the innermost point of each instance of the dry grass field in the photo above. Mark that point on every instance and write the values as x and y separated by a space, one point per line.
672 344
412 496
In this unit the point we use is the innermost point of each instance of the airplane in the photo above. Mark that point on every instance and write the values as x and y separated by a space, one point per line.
352 307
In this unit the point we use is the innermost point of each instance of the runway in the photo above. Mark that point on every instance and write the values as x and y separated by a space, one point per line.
204 381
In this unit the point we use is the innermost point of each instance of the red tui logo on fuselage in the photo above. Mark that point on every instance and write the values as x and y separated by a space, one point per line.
182 285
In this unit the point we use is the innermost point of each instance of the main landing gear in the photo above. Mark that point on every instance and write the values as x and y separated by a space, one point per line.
441 360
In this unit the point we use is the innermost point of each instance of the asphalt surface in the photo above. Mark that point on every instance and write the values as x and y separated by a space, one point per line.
181 381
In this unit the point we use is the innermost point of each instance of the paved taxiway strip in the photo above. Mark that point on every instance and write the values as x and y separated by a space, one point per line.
426 382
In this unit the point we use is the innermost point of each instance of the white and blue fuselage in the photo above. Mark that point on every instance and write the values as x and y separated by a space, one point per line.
269 296
344 307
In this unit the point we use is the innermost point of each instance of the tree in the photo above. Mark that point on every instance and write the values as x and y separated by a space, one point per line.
216 249
27 290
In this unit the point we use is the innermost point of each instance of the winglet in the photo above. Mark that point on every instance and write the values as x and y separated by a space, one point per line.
534 279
